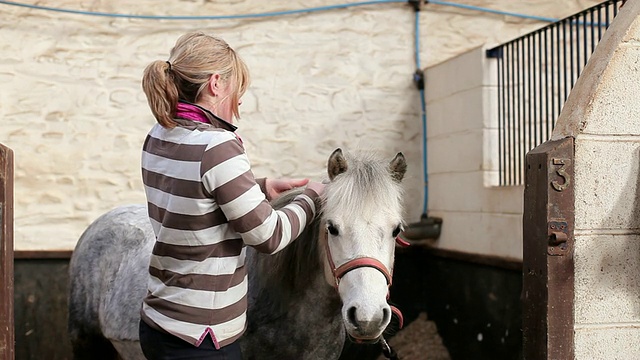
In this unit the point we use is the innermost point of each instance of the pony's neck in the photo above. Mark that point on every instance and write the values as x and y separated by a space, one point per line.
288 274
292 309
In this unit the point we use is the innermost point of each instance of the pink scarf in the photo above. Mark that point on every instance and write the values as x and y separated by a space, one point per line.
191 112
195 113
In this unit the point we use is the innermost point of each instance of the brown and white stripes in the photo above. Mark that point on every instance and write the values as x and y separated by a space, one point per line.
205 205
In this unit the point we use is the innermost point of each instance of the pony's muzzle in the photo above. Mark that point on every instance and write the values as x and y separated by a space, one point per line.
363 340
365 328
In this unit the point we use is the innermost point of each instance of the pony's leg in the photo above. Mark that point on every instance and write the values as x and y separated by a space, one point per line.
92 346
87 341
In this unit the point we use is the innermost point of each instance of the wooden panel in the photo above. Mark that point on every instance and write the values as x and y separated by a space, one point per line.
41 309
477 307
7 335
548 267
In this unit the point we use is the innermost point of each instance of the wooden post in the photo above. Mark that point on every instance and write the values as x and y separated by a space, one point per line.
548 267
7 335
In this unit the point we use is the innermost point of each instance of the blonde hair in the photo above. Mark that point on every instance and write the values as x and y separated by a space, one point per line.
194 58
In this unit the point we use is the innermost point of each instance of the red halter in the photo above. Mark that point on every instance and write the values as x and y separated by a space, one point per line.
363 261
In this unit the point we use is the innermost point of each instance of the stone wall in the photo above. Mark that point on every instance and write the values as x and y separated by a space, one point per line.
73 111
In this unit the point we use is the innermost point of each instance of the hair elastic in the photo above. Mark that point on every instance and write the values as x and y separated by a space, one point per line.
168 63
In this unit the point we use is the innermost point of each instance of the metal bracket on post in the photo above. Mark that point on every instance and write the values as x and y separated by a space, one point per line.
417 4
559 237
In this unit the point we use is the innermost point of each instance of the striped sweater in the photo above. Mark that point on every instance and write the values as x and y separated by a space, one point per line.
205 206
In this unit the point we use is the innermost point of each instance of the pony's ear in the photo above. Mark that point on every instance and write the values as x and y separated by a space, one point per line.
337 164
397 167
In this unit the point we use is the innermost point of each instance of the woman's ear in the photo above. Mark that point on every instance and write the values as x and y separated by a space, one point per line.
214 85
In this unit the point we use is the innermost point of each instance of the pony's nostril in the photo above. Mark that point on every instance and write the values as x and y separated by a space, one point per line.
351 316
386 316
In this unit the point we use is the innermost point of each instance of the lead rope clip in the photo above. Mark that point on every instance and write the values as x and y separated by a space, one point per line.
387 350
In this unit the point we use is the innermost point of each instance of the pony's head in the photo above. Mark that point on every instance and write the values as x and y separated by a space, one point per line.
362 215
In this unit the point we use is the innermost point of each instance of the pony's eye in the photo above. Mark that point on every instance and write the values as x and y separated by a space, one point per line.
332 229
396 231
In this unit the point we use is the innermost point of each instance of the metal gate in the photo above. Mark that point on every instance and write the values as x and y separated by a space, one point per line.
535 75
548 264
7 335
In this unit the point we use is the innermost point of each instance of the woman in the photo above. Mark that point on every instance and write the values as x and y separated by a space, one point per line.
205 204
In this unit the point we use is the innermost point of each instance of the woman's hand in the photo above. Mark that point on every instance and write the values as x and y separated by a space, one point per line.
275 187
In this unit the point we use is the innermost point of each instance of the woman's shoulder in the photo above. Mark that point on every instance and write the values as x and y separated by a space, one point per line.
207 134
220 144
215 136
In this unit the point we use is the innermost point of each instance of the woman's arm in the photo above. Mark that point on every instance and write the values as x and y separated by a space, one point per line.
227 175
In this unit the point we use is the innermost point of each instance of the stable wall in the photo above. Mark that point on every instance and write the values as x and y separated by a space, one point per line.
73 111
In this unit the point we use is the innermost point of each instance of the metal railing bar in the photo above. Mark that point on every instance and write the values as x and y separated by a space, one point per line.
512 134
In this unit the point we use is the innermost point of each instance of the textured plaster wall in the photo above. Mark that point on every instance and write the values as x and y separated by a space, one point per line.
602 114
72 109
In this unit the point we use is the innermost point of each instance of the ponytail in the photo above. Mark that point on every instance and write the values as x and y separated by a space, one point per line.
161 91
